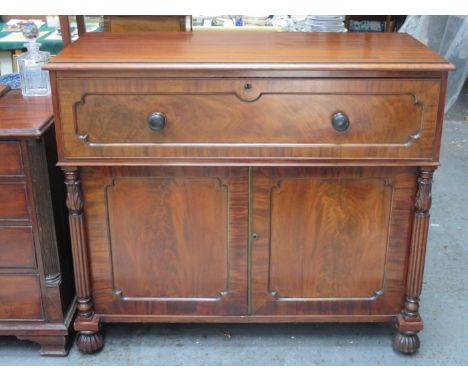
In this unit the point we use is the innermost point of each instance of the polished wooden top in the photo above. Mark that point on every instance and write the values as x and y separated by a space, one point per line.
24 116
249 50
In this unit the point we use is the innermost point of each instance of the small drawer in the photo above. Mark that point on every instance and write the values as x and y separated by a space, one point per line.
20 297
10 158
248 118
17 247
13 202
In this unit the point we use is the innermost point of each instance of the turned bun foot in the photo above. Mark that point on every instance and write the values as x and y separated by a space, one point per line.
89 342
406 342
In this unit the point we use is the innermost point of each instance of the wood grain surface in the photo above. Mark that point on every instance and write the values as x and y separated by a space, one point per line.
167 241
11 162
24 116
330 241
247 118
17 247
249 206
272 50
164 232
20 296
13 203
337 233
36 288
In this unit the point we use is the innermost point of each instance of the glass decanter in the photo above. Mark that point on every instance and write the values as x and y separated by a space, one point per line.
34 80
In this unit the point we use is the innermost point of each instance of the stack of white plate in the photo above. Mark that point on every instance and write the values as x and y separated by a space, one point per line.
282 21
299 23
325 24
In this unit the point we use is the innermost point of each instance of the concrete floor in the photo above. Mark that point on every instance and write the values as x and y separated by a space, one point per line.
444 306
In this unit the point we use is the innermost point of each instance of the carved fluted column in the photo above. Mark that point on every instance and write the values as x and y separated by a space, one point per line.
410 322
89 340
37 159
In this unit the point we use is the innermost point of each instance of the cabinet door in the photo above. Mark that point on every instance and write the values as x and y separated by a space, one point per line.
167 241
330 241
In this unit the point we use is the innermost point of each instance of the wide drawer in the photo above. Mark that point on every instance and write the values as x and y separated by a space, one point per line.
17 247
13 201
10 158
20 297
248 118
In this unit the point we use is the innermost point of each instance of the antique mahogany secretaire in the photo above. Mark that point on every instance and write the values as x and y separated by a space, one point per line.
251 177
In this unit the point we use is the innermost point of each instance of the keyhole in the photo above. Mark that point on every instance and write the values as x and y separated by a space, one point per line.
247 86
254 236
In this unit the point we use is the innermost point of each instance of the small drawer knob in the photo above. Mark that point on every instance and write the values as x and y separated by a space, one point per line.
340 121
157 121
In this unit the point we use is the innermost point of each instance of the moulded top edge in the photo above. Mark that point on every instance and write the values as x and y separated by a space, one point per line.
248 50
332 66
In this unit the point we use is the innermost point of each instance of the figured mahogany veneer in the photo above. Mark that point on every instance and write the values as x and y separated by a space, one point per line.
345 230
275 118
253 177
175 239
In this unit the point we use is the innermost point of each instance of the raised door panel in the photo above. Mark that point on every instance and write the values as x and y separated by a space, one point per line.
330 241
170 239
167 241
121 119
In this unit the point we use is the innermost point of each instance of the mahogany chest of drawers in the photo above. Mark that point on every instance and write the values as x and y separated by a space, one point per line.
36 279
251 177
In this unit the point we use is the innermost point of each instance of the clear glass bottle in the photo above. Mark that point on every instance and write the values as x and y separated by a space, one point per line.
34 80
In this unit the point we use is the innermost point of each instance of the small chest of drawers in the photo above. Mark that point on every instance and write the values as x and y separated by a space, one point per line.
36 285
246 177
